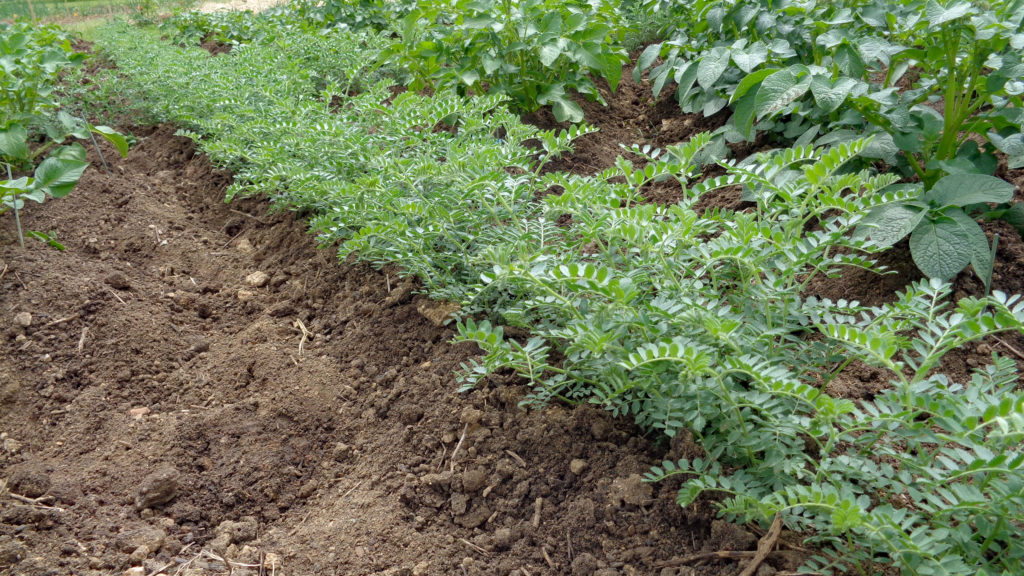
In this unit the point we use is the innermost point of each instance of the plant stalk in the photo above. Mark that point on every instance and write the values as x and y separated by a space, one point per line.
17 217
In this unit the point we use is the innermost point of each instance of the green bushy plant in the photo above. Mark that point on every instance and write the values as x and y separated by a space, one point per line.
926 76
376 15
704 322
533 51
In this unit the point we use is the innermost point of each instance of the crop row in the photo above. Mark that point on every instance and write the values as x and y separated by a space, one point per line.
689 322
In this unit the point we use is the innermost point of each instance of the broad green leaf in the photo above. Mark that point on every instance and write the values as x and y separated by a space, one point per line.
751 57
1012 146
73 151
829 96
1014 215
780 90
888 224
58 177
983 257
711 66
941 247
567 110
749 81
478 22
114 137
647 58
849 61
685 77
549 53
469 77
743 115
611 68
964 189
13 143
663 73
938 14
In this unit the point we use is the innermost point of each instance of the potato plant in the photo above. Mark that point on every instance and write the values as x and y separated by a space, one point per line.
32 58
536 52
927 79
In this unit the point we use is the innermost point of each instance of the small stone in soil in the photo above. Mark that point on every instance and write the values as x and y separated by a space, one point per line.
140 553
257 279
23 319
139 413
577 466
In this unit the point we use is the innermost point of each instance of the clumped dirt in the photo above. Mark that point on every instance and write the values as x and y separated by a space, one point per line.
632 116
191 381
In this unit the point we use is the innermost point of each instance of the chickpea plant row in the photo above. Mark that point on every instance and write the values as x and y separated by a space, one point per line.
689 321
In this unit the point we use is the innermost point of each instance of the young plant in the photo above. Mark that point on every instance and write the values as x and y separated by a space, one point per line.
32 58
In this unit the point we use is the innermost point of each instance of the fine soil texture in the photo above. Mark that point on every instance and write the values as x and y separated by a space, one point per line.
191 387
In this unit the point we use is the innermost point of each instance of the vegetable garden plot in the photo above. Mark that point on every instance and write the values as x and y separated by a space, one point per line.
692 321
165 356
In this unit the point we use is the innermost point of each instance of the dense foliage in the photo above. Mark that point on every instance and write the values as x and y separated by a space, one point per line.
689 321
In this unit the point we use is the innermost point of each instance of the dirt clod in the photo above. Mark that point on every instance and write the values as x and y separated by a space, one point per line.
140 535
257 279
158 488
30 479
117 281
438 313
577 466
23 319
584 565
731 537
630 490
473 480
11 551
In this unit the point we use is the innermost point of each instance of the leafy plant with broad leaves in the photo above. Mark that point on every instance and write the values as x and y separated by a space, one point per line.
32 58
944 239
927 76
377 15
536 52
